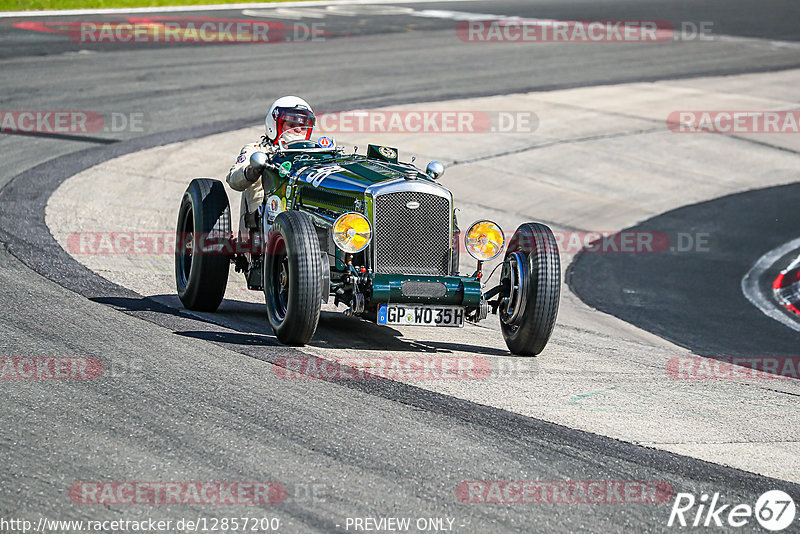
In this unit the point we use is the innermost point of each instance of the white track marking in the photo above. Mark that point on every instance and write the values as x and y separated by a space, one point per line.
347 10
793 265
339 10
313 9
744 40
213 7
465 15
292 13
298 12
754 294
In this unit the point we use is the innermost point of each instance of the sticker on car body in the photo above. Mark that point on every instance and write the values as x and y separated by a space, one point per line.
274 206
387 152
316 177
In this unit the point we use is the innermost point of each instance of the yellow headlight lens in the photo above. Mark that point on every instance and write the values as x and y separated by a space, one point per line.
484 240
351 232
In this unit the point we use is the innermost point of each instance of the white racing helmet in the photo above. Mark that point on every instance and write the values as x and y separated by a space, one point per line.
290 114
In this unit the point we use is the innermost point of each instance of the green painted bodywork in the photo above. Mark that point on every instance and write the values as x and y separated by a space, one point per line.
340 188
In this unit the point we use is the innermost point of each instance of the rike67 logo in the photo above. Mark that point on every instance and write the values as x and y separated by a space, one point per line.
774 510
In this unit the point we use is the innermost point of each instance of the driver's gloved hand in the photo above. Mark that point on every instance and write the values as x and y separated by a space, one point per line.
251 174
258 162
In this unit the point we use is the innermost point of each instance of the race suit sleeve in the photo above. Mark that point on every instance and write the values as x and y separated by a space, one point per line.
235 177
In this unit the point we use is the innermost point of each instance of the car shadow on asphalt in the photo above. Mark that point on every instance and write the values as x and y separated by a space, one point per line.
342 332
335 331
232 338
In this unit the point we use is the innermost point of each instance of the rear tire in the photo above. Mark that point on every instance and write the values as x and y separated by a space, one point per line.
203 237
292 274
527 318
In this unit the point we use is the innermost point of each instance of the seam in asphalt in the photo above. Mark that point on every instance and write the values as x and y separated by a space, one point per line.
556 142
598 137
762 143
63 137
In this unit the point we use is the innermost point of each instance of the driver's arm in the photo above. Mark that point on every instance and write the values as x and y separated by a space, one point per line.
241 176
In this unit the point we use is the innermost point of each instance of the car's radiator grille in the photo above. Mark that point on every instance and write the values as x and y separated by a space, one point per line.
412 241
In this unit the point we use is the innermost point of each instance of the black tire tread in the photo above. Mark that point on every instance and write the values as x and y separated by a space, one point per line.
540 315
208 278
305 272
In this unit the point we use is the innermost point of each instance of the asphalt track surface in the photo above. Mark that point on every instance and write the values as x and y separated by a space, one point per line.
694 298
189 400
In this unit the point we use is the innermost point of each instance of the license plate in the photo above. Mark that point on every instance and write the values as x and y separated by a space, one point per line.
420 315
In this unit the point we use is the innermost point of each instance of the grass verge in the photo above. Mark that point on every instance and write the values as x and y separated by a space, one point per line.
32 5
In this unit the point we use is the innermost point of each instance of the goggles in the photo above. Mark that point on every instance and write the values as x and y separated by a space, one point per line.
298 123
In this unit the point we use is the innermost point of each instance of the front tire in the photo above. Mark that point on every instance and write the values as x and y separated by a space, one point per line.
292 274
533 274
203 235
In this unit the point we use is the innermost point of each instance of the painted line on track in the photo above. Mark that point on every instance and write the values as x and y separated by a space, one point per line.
214 7
254 10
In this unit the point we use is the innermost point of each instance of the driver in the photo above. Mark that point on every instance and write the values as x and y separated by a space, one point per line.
289 119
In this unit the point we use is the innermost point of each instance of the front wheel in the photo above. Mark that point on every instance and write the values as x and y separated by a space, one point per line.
202 258
292 274
532 273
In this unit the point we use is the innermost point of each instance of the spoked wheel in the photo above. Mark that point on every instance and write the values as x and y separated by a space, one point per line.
514 306
185 244
532 273
280 282
292 274
201 261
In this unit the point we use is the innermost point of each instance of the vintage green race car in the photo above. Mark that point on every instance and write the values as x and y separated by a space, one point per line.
369 232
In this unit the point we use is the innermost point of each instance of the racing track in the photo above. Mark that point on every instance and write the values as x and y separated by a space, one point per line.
211 411
705 309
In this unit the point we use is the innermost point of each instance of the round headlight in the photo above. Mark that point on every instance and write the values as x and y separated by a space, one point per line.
484 240
351 232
